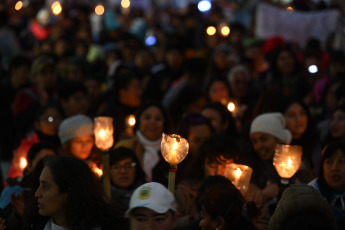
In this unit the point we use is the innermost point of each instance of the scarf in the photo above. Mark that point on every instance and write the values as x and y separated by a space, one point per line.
151 157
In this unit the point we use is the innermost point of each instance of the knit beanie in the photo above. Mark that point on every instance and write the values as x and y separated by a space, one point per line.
273 124
75 126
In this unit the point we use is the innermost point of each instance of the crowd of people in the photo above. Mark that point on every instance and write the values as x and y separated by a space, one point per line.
234 98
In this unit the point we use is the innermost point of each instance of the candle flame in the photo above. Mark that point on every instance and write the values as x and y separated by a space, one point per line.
131 120
101 133
231 106
238 172
23 162
289 163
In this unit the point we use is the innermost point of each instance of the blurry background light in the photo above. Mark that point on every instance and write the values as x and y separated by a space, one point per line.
99 9
211 30
18 5
204 5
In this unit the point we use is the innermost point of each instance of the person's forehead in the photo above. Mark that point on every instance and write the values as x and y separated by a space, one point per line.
141 211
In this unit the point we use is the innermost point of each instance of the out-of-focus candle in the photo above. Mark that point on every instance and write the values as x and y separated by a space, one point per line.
23 163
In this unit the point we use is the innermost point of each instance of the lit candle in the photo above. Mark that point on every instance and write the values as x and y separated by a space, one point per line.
239 175
287 160
174 149
231 107
23 163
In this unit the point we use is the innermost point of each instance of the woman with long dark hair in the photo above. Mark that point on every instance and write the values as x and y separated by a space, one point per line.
70 196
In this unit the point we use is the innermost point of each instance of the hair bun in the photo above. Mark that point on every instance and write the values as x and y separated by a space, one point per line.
249 210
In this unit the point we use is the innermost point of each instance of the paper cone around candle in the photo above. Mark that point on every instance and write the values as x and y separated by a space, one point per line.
104 132
240 176
174 148
287 160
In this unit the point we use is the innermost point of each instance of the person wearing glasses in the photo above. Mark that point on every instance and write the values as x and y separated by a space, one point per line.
125 175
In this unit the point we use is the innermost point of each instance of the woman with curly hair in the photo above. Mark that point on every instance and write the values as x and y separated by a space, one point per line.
71 197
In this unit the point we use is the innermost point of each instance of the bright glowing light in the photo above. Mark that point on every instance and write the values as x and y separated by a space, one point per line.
238 172
23 162
231 106
312 69
56 8
211 30
102 133
18 5
125 3
204 6
99 9
225 30
289 163
150 40
131 120
289 8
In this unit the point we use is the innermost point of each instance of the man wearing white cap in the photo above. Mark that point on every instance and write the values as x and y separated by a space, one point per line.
152 206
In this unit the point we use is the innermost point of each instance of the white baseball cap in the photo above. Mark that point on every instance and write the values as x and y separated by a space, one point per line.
154 196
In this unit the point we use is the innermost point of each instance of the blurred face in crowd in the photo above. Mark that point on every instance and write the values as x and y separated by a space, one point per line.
296 120
218 91
151 123
49 122
50 201
81 147
144 218
337 126
131 96
75 104
218 167
215 119
264 145
239 85
122 172
197 135
334 171
46 78
285 62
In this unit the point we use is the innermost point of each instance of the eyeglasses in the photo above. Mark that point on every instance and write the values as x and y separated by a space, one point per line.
125 166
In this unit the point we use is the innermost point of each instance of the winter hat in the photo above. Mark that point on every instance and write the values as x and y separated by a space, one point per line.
273 124
75 126
154 196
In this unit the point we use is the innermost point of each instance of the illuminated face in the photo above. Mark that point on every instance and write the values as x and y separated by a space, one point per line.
264 145
197 135
216 168
50 201
122 172
296 120
337 126
334 171
81 147
215 119
151 123
144 218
